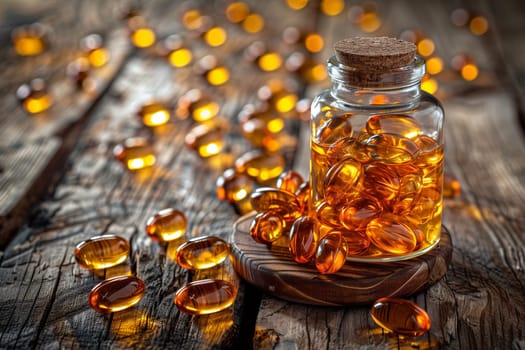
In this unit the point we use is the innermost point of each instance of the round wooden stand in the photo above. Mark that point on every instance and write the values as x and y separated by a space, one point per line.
272 269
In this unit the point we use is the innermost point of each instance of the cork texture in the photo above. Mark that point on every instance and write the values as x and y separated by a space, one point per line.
375 53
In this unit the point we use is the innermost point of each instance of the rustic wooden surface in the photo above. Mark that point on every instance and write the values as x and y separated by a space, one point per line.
59 185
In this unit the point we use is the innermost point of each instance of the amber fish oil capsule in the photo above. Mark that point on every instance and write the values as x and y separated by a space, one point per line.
330 256
154 114
30 40
261 166
93 47
290 181
166 225
400 316
206 296
267 227
116 293
206 139
390 234
202 252
135 153
233 187
101 252
34 96
304 238
266 198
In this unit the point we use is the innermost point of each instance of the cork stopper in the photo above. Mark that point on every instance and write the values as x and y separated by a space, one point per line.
374 54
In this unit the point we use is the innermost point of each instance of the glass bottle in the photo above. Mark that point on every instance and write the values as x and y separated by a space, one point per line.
376 168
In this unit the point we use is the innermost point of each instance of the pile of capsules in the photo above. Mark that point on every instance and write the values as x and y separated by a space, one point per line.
284 209
198 297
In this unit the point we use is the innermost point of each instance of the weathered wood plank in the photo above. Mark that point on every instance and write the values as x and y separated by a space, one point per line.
34 148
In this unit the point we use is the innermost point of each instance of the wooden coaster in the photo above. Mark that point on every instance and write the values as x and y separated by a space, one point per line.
272 269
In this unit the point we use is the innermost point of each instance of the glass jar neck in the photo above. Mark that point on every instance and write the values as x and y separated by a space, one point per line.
393 88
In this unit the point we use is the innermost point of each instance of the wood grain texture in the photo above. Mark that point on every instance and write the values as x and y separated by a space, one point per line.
273 270
43 293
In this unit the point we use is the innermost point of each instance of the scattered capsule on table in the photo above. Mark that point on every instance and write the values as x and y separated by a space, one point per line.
267 227
142 36
93 47
261 166
210 68
237 11
451 187
166 225
330 255
215 36
205 296
268 198
154 113
34 96
205 139
274 121
101 252
233 187
256 132
199 106
253 23
116 293
180 57
289 181
202 252
135 153
304 238
283 101
269 61
187 102
389 233
400 316
218 76
205 109
191 19
169 44
30 40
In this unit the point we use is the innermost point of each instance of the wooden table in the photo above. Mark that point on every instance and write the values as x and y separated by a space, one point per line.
59 183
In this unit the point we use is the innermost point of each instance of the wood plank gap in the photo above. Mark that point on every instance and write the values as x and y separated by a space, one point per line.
48 176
